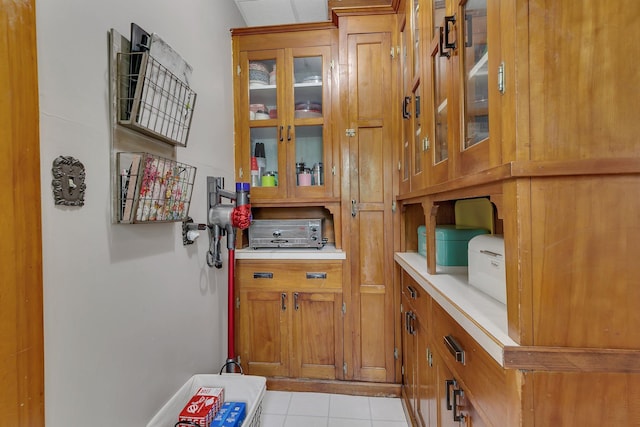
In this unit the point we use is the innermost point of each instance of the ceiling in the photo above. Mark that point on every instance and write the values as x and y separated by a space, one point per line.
276 12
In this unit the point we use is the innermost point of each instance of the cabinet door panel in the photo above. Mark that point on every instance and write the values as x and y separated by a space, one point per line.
409 341
480 98
370 195
584 263
585 399
316 339
485 379
445 393
264 332
584 94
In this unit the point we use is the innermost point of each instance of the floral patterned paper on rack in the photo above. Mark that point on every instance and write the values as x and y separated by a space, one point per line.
159 189
163 191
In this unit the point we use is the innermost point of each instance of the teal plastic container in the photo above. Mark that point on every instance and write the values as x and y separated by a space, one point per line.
422 240
452 244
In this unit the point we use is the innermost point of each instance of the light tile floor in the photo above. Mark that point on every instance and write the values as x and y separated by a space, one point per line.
296 409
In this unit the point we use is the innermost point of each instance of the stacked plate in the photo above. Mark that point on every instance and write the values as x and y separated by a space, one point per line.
308 109
258 73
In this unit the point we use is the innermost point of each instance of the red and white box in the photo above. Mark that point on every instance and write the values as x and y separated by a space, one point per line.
203 406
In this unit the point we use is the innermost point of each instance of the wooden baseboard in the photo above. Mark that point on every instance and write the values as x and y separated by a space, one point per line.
338 387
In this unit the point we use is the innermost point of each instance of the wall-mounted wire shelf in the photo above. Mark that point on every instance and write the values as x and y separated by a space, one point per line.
152 100
153 188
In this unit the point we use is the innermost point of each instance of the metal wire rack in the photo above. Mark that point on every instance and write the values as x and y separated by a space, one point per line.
153 188
152 100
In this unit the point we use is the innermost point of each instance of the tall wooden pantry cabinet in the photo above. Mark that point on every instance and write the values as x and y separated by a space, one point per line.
327 101
555 152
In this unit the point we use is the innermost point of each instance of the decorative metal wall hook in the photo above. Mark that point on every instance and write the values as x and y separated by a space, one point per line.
68 181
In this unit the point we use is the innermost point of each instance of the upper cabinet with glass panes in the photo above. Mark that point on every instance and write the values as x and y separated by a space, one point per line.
283 98
463 72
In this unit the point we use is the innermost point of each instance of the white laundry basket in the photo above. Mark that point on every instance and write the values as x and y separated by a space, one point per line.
237 388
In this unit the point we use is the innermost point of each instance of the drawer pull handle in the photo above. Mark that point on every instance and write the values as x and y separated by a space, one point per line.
412 319
279 241
454 348
295 301
316 275
412 292
490 253
457 416
262 275
283 301
448 384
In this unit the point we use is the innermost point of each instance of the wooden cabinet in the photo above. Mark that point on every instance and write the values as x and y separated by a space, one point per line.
418 373
282 88
560 175
263 335
485 382
455 408
290 318
414 140
464 73
445 368
367 194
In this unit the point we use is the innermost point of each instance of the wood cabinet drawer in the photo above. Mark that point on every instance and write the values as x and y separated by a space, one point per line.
305 274
417 297
483 380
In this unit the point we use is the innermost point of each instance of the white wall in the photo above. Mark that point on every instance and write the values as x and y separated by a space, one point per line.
130 313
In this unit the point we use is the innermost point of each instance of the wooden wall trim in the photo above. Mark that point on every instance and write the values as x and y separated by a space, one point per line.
533 169
21 318
356 388
562 359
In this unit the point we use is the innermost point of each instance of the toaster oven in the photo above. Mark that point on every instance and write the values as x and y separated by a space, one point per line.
286 233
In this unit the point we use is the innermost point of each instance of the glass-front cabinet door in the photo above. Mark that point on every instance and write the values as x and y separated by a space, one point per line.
287 110
463 93
404 148
310 118
439 76
475 60
418 140
263 136
480 94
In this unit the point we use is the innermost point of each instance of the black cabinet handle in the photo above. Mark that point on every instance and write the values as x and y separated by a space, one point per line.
405 107
316 275
296 307
454 348
289 133
281 138
417 106
283 301
412 320
406 321
262 275
457 416
441 44
449 20
412 292
448 384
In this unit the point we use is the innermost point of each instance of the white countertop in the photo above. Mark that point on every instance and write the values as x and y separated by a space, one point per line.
327 252
483 317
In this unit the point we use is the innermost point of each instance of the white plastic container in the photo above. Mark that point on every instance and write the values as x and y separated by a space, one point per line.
487 266
237 388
